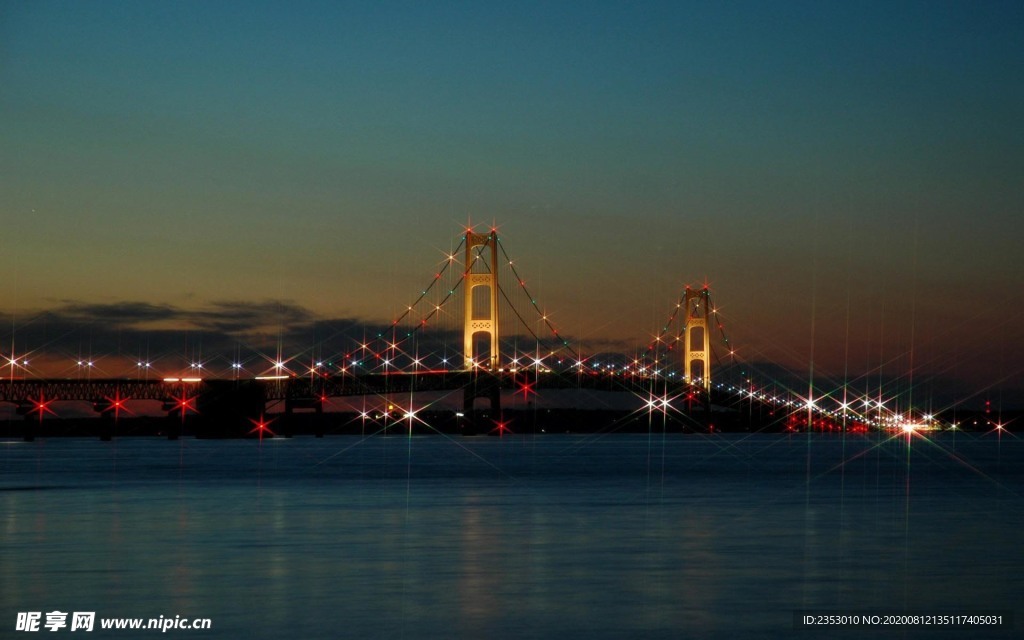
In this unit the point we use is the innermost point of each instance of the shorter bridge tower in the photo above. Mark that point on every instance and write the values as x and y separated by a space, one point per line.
697 343
481 318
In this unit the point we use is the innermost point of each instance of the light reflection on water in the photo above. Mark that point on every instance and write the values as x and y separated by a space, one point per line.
549 536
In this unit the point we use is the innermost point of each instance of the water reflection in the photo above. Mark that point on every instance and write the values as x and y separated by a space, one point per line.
548 538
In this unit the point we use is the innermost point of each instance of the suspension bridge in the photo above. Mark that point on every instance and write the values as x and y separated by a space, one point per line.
477 330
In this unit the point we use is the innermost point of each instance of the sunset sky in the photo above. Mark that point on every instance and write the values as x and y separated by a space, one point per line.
848 177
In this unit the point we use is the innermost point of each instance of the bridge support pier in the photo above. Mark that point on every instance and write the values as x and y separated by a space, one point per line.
28 433
224 409
24 410
106 426
291 421
107 420
482 386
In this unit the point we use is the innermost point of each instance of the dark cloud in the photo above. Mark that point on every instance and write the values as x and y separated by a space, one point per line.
225 331
119 314
157 331
242 318
228 317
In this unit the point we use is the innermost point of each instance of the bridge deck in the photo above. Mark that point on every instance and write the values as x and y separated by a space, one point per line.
48 390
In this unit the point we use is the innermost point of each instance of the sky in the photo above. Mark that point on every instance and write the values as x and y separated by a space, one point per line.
847 177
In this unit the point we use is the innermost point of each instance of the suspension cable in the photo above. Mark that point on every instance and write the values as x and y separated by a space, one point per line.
533 301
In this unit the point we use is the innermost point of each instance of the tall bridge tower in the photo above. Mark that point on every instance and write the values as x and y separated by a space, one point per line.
481 314
697 346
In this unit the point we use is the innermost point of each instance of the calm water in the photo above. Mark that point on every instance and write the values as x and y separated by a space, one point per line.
521 537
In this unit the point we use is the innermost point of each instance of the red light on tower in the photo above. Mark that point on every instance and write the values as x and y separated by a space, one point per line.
501 427
526 388
42 406
116 404
183 404
260 427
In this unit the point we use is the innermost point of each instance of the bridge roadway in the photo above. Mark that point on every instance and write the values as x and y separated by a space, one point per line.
30 393
230 408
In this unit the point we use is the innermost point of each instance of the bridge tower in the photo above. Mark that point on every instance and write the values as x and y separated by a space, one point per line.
697 343
480 317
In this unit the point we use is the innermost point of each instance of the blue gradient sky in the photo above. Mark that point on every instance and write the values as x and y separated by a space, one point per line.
848 176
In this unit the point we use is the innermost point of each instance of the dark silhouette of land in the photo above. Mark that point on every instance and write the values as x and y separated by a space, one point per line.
480 422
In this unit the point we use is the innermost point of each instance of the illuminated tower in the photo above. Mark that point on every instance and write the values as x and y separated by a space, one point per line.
481 314
697 344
